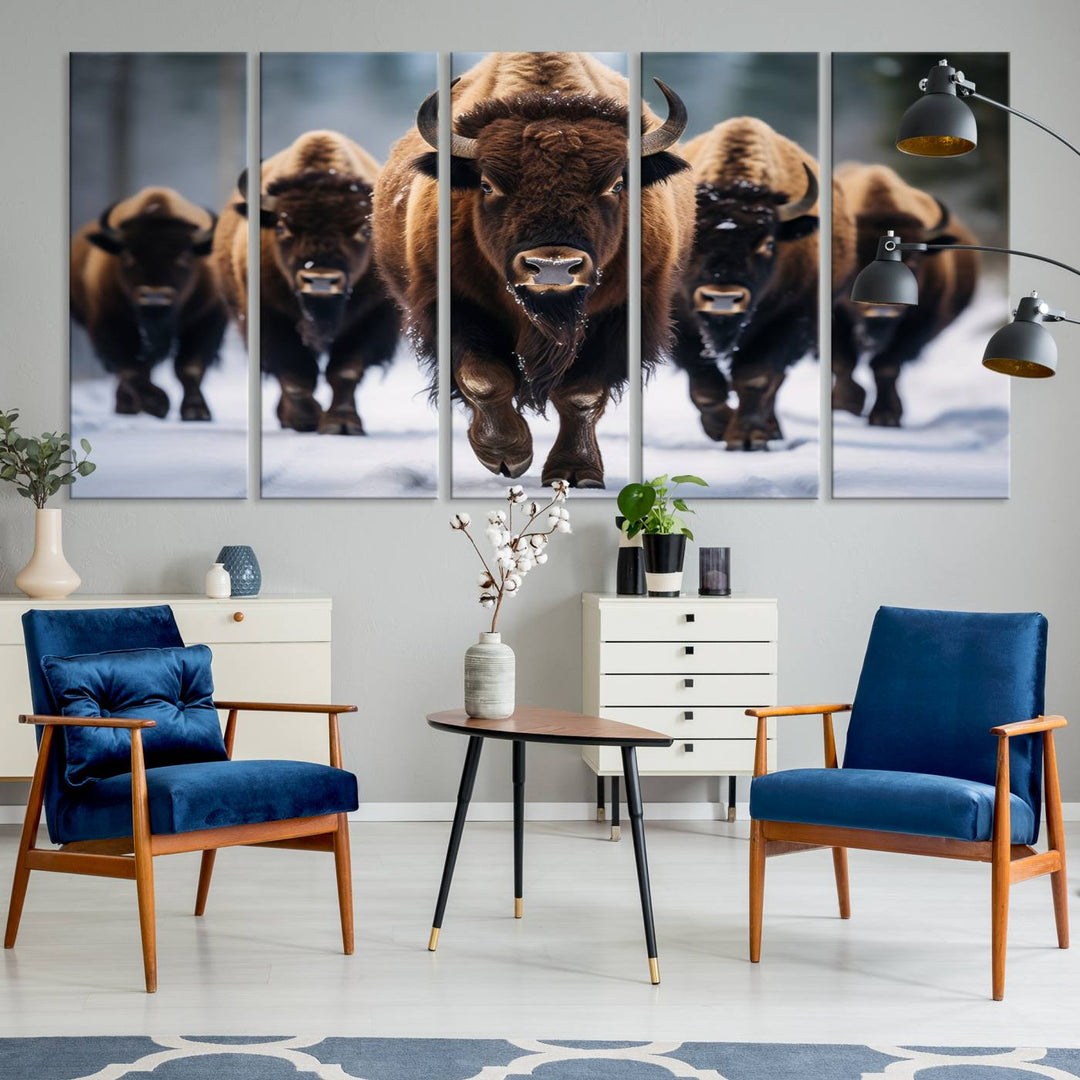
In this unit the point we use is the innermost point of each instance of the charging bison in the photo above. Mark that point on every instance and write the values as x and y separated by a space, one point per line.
890 336
141 286
538 256
747 306
319 291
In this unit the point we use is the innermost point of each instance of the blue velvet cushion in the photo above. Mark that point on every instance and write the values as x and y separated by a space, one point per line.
209 795
903 802
933 683
65 632
173 686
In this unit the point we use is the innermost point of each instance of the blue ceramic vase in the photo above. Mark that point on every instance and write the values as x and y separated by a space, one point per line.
244 573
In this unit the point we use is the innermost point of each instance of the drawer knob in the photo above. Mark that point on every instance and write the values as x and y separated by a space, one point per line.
688 715
689 650
688 747
689 616
238 616
688 683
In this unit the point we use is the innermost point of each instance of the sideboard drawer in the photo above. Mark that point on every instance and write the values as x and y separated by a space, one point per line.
688 620
709 757
686 691
215 621
689 657
691 723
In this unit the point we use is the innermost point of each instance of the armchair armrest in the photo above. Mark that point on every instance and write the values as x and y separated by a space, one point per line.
282 706
1029 727
763 715
797 710
88 721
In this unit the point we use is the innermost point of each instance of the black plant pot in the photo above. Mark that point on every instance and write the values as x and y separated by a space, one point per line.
664 554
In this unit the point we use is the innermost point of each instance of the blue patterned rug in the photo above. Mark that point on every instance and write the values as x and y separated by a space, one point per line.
283 1058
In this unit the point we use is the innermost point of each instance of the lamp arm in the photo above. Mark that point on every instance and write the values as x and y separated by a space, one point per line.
1023 116
995 250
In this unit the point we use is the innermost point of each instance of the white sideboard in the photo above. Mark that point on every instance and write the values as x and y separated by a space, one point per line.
687 666
266 648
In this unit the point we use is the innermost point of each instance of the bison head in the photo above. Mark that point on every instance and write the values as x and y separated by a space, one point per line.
156 256
317 224
740 233
543 176
877 323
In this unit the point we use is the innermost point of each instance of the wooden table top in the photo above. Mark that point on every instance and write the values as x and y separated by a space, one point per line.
531 724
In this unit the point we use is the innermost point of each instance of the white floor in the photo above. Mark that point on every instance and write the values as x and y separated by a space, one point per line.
911 967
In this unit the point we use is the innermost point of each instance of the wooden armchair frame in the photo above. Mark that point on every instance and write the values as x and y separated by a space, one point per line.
132 857
1009 862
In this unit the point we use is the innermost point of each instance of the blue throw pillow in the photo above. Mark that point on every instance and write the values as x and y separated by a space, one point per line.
172 686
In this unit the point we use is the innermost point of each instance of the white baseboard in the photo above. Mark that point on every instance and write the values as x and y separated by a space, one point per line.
12 814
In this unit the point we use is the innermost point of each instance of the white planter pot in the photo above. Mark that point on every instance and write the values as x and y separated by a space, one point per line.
489 678
48 575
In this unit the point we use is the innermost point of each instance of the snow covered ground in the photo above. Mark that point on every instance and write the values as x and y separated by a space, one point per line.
398 458
954 442
613 433
673 441
144 457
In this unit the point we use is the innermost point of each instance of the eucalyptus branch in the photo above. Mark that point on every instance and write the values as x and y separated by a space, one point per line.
48 462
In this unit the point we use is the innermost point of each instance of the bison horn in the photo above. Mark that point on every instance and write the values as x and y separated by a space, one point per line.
943 219
791 210
668 134
103 222
204 236
427 123
241 183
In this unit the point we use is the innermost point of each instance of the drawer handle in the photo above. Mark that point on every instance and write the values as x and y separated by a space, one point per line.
689 650
688 747
689 616
238 616
688 684
688 715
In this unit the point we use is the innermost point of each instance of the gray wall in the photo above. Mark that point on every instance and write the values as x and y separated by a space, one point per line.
402 584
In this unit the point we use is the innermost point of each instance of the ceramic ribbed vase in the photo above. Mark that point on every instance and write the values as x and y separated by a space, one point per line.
489 678
48 575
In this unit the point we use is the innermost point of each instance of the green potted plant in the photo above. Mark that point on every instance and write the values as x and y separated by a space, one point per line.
39 466
653 510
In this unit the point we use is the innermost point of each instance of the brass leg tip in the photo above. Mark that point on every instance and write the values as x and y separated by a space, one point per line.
731 813
433 940
519 907
654 971
600 813
616 832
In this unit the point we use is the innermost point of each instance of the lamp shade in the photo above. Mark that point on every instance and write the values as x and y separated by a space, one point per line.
1025 350
937 125
885 281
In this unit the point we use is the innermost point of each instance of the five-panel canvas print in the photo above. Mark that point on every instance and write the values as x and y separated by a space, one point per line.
314 275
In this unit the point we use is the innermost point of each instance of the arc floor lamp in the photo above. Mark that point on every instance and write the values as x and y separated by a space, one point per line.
941 124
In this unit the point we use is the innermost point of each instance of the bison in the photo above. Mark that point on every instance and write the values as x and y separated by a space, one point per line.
888 336
747 306
141 286
319 290
538 284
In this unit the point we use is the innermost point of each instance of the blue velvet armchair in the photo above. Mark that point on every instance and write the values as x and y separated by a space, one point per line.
132 763
947 751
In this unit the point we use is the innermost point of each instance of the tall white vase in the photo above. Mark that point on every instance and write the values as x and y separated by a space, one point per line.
489 678
48 575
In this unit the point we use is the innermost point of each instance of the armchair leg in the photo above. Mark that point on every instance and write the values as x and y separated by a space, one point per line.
1055 829
343 866
144 861
839 858
757 888
206 871
1000 870
28 840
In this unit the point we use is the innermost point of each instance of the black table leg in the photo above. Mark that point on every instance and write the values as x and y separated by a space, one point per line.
731 798
615 800
468 778
600 798
519 826
637 827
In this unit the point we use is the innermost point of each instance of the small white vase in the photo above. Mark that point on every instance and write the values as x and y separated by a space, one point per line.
218 582
48 575
489 678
